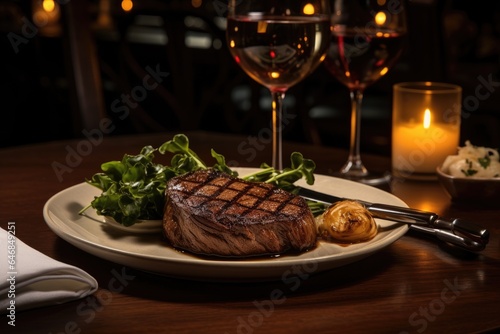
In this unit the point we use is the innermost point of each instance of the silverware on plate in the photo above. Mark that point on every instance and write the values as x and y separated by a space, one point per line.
456 231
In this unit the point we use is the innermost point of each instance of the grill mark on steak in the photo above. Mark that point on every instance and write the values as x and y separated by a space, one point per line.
233 201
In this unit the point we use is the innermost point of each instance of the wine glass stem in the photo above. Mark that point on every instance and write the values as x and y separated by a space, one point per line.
354 165
277 109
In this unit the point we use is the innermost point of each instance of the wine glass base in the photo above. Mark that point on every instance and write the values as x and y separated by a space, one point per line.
371 178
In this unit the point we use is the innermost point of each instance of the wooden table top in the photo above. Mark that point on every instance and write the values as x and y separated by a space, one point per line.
415 285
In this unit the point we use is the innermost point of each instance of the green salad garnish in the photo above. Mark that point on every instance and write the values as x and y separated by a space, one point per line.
134 188
484 162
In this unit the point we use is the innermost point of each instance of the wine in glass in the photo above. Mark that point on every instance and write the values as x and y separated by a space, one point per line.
278 43
367 40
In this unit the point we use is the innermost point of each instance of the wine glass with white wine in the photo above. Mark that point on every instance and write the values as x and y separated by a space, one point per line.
278 44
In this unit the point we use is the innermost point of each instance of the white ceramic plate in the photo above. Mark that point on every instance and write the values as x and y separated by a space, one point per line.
149 252
141 226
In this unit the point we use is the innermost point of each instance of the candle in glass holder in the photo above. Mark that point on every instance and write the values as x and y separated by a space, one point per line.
425 127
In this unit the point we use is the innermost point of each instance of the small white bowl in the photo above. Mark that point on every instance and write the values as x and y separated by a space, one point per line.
141 226
476 190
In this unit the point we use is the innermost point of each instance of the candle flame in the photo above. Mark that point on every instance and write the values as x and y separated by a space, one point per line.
427 118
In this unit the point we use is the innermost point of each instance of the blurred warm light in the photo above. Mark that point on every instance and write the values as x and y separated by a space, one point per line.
231 44
48 5
387 35
380 2
275 75
104 19
379 34
196 3
380 18
127 5
427 118
261 27
384 71
347 74
427 206
308 9
46 14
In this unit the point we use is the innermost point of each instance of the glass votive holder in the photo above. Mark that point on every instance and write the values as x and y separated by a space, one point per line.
425 127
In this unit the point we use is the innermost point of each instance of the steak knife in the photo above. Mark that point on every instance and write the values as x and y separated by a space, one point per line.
457 231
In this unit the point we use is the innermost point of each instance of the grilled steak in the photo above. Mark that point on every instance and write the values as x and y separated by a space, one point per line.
211 213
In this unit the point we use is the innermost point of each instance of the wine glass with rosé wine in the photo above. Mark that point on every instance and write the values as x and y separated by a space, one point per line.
367 39
278 44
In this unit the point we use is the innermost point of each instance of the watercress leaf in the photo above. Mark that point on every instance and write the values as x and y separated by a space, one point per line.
114 169
148 151
149 187
180 144
135 160
106 204
308 171
113 189
296 160
305 166
133 174
261 175
129 206
134 190
155 170
221 164
183 164
316 207
170 173
101 181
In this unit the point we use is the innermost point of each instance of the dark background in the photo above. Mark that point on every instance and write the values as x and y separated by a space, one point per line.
448 41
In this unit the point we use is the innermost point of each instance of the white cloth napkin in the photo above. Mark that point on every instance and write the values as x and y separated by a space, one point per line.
36 280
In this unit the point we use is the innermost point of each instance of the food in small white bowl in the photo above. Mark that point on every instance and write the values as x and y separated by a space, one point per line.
471 175
474 162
